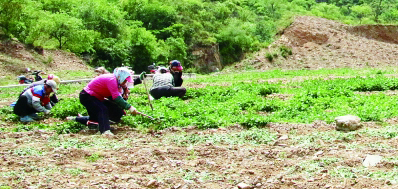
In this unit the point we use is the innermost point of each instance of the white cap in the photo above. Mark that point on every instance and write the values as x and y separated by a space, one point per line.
162 69
52 84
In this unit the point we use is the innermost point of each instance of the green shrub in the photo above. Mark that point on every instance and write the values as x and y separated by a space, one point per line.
285 51
269 56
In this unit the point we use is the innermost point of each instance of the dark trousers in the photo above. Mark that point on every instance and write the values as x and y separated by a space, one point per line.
115 113
97 111
168 91
22 108
100 112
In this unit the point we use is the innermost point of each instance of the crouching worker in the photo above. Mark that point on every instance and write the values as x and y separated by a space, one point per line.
93 98
53 97
35 99
164 86
175 69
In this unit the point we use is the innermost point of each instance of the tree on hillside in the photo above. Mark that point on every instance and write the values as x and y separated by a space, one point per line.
155 16
235 39
381 6
10 14
101 16
390 16
325 10
307 4
361 11
143 49
57 6
68 31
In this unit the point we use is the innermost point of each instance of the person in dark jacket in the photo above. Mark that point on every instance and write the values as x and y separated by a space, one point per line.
175 69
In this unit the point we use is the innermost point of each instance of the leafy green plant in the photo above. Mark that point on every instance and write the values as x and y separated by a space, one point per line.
68 107
267 90
69 127
253 136
93 157
50 59
27 152
75 171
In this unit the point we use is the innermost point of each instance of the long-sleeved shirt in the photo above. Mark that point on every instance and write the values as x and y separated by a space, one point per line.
34 84
103 86
37 98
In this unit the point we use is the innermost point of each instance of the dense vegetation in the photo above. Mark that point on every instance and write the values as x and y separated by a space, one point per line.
225 100
139 32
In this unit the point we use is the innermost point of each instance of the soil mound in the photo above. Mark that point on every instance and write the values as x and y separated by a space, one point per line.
321 43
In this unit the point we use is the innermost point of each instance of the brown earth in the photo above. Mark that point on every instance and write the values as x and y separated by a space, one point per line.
132 159
320 43
15 57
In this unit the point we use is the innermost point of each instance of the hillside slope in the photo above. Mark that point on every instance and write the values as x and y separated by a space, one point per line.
15 57
321 43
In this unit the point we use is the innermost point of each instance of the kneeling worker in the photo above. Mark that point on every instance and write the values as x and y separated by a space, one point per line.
93 97
35 99
164 86
53 97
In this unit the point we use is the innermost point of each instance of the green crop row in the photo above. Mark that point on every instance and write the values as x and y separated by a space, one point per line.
251 104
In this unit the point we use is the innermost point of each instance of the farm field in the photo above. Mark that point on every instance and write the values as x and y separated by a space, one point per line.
272 129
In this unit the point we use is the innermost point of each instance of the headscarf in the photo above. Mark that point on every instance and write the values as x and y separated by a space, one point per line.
122 74
162 69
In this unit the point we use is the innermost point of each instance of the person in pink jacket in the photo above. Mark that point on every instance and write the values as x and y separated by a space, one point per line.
93 96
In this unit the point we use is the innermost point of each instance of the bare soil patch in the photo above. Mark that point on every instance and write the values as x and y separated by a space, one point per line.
320 43
132 159
15 57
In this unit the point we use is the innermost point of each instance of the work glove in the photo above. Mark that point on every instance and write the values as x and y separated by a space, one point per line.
143 75
133 111
46 112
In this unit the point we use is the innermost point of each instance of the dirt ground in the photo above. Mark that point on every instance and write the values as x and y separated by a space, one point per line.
132 159
320 43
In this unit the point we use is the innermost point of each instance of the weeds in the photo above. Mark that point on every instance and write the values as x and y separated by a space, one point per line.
93 157
285 51
27 152
269 56
244 103
252 136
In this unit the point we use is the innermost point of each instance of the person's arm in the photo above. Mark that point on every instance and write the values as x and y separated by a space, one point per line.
172 81
116 97
122 103
36 104
48 106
